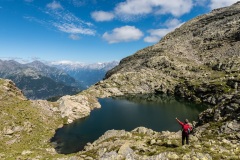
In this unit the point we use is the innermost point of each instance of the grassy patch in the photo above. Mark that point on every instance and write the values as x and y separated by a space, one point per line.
26 129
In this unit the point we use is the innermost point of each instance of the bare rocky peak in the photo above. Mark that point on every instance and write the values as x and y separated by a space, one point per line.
203 41
203 50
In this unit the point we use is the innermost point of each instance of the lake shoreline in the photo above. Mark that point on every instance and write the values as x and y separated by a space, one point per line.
153 111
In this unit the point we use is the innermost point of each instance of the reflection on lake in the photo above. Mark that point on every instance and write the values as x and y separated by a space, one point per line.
157 112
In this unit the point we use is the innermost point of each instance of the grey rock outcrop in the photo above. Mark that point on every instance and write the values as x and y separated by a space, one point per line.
75 107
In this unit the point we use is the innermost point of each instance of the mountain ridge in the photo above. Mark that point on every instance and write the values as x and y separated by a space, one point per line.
86 74
37 80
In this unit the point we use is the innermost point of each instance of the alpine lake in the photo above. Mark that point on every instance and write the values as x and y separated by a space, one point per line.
157 112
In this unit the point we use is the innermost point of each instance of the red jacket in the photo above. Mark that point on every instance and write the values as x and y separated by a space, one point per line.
186 128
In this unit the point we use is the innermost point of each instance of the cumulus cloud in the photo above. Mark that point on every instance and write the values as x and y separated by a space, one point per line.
152 38
123 34
157 34
221 3
172 23
102 16
131 8
134 7
54 5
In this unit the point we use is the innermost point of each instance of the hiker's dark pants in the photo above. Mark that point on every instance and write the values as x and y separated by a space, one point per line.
184 136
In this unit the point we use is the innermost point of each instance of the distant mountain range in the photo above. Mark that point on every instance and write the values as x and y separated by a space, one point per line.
87 75
38 80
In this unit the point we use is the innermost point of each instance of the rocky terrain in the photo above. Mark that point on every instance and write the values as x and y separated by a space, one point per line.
142 143
200 61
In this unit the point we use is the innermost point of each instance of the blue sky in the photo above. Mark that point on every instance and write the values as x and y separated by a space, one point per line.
89 31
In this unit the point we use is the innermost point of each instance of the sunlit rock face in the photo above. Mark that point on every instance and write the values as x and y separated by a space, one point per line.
203 50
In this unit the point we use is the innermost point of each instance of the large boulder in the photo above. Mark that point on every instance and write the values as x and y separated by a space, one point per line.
75 107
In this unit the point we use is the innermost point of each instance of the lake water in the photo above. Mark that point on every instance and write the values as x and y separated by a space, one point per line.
151 111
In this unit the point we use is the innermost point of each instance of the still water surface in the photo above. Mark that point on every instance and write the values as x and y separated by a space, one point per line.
151 111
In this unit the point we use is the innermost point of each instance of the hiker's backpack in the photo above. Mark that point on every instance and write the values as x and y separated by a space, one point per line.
187 129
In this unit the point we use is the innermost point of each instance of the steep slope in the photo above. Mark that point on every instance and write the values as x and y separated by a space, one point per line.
38 81
205 49
26 126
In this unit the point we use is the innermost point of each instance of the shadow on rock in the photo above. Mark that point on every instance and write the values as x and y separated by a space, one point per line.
169 145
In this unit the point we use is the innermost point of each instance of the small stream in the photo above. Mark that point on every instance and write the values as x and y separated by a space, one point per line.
157 112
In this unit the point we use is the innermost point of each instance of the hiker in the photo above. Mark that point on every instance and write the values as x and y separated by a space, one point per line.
186 128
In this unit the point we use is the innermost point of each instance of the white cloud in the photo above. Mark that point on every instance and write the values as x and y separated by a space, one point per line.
172 23
54 5
73 29
176 8
67 22
157 34
142 7
64 21
134 7
221 3
74 37
152 39
123 34
102 16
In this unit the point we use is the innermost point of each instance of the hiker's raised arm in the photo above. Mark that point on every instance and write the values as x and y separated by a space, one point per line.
179 121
